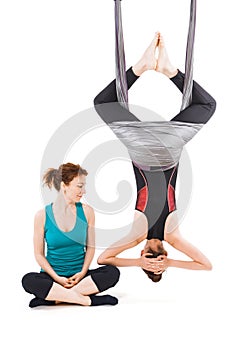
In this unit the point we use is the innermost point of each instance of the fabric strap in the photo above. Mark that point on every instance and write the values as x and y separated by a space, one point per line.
188 80
121 82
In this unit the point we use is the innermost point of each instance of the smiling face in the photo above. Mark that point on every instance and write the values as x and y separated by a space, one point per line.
75 189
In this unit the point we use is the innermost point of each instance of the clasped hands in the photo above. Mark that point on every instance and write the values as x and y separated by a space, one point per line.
157 265
69 282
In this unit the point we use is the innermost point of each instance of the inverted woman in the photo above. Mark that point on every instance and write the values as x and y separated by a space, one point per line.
155 217
67 228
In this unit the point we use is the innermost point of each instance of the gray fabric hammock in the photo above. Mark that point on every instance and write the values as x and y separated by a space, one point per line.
157 144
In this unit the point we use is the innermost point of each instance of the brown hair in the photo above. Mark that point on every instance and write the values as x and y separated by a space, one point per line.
152 276
155 254
66 173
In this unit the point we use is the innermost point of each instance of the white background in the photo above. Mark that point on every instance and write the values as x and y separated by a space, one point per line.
55 57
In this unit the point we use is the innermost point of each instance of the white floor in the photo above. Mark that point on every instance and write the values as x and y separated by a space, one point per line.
187 310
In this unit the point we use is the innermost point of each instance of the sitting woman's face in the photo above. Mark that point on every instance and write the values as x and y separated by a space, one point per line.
76 188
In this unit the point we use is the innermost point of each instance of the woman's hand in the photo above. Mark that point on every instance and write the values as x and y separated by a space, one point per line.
148 263
64 282
157 265
71 281
161 264
75 279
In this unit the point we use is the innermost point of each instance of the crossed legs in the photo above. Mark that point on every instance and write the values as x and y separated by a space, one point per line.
84 293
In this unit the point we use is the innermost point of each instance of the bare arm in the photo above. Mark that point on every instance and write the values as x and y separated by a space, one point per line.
109 256
90 247
199 260
38 241
137 234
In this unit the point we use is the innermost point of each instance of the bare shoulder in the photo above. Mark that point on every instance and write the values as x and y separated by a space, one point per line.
171 230
40 216
173 237
87 208
89 211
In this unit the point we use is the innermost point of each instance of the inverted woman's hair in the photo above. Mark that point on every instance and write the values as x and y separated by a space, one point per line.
155 254
65 173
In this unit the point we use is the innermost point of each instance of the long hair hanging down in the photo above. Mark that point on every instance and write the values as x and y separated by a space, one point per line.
121 82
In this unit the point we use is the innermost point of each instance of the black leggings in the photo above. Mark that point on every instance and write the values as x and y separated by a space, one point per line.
155 189
201 109
40 283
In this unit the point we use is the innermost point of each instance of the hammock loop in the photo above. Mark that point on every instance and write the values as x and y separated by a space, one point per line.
121 82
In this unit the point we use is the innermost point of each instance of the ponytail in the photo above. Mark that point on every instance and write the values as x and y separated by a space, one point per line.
66 173
52 178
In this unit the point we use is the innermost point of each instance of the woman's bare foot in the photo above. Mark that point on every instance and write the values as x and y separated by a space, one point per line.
148 60
164 65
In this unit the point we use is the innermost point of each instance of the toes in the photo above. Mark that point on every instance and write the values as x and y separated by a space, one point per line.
161 40
156 36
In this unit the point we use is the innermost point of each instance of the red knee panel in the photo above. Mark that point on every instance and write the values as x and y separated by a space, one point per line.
142 198
171 198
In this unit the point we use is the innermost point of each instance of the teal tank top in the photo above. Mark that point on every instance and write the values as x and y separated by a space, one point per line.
66 250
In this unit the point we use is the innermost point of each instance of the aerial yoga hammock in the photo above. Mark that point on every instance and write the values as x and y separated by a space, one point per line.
154 146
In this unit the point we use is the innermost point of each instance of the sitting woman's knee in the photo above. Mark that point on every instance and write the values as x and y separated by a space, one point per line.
113 275
27 282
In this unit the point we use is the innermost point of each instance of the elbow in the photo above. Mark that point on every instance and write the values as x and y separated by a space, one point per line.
39 257
105 259
208 266
101 260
